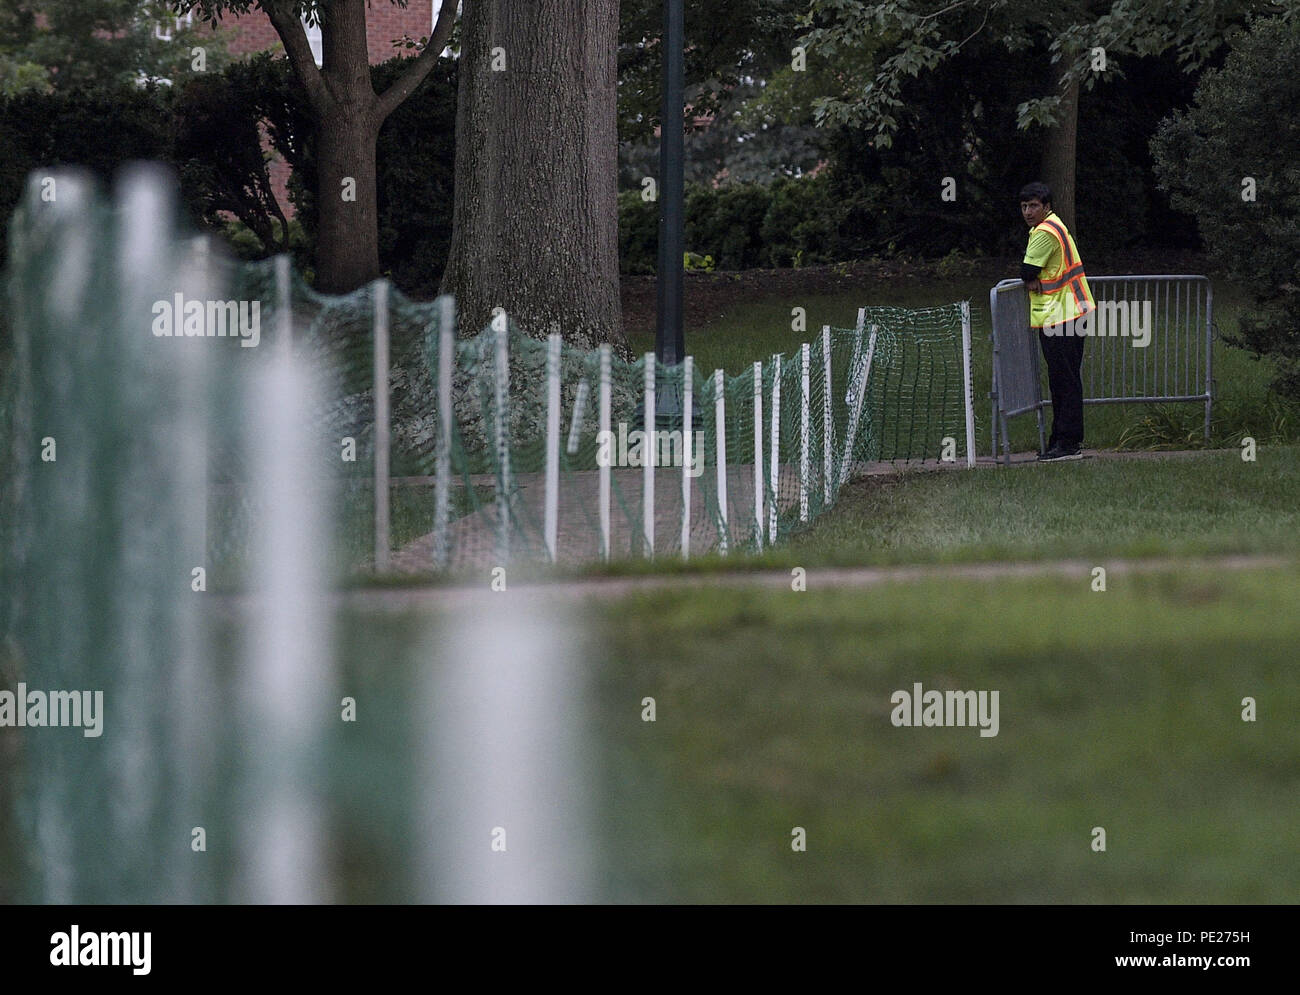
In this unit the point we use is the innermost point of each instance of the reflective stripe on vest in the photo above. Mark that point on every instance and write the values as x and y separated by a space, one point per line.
1070 274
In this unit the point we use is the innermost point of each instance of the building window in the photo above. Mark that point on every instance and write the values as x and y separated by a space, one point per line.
165 30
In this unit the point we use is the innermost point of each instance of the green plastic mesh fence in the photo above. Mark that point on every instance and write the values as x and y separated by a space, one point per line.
549 454
502 447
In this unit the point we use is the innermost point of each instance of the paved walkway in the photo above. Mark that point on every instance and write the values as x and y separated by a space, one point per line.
403 599
473 538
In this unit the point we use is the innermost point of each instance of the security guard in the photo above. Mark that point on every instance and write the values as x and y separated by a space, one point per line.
1058 297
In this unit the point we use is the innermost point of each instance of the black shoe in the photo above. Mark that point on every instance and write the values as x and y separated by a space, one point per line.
1058 453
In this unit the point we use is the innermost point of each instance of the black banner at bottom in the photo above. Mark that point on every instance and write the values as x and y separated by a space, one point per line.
154 944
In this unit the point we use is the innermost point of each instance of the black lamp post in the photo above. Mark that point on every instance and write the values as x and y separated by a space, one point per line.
670 343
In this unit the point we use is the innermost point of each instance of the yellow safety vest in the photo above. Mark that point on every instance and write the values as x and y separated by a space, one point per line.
1065 293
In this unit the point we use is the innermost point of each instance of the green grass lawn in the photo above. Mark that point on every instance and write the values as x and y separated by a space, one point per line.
1211 503
1119 709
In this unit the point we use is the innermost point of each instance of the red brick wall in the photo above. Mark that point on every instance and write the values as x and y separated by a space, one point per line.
253 32
385 21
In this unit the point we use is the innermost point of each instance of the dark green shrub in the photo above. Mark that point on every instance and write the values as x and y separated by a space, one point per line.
99 128
638 233
800 226
736 236
416 178
1230 161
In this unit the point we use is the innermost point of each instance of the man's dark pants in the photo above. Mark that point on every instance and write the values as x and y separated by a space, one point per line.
1064 355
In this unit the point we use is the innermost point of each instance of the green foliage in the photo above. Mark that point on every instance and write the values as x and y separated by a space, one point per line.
727 42
210 128
890 193
955 265
219 153
17 76
756 136
416 155
638 233
741 226
1268 419
917 37
961 117
874 199
728 223
246 244
76 44
1243 126
800 225
99 128
696 263
1117 202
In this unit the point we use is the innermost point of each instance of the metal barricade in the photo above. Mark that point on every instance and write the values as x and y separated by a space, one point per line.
1151 340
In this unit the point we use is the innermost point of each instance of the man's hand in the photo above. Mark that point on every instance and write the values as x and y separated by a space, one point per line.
1034 286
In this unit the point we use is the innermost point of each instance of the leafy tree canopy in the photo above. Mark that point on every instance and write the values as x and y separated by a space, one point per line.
70 44
916 36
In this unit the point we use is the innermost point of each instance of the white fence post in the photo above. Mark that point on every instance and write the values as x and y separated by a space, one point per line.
803 436
579 412
502 370
966 379
860 382
603 469
442 462
383 427
857 357
773 508
758 455
854 366
194 423
649 459
552 515
283 304
720 419
688 397
827 423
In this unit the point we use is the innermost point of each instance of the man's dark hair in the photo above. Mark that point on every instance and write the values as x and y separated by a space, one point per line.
1036 191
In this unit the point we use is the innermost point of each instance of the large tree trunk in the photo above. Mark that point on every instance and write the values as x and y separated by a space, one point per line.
348 115
347 242
535 222
1059 156
347 253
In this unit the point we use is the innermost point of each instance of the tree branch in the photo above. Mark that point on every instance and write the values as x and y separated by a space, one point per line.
296 46
415 73
962 43
940 13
